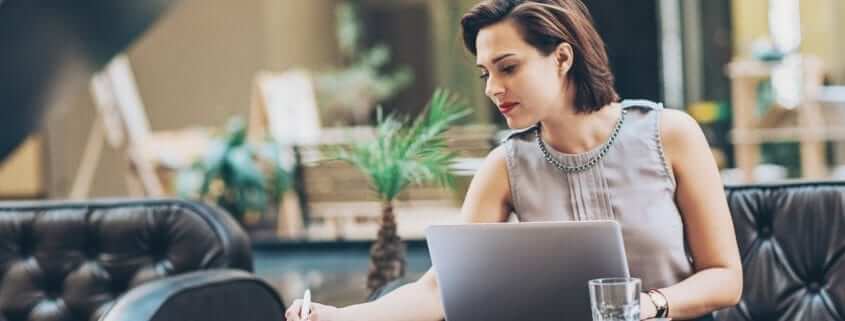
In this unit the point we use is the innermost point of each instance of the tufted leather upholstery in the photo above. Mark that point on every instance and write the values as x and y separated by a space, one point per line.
71 261
792 241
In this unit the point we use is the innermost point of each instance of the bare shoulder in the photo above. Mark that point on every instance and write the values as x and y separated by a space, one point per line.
678 126
680 132
488 196
684 144
493 172
497 159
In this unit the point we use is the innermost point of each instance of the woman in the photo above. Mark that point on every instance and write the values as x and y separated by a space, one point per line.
579 154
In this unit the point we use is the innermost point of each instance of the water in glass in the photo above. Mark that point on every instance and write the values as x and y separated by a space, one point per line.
615 299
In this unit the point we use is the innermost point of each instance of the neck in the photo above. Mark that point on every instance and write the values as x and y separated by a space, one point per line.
574 133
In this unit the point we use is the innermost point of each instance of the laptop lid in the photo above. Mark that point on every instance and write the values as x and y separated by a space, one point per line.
524 271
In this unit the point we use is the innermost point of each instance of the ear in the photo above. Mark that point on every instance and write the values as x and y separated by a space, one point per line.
564 56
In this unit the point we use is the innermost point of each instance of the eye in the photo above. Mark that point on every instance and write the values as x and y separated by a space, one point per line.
509 69
484 76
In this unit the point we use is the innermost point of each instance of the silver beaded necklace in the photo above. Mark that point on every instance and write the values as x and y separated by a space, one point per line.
590 163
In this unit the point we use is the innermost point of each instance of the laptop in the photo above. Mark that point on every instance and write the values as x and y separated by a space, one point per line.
524 271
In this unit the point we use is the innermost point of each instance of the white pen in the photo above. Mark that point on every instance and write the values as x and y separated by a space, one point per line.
306 305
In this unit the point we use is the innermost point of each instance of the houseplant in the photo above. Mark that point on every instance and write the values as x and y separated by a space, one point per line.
403 152
243 176
347 94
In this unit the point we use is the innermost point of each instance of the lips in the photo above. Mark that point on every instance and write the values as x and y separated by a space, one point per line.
507 107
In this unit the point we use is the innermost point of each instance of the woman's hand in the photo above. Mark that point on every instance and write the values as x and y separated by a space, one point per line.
647 309
319 312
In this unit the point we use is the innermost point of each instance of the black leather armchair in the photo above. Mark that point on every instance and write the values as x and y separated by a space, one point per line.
127 260
792 241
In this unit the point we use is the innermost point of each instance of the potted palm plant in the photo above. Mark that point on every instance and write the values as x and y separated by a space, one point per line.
404 152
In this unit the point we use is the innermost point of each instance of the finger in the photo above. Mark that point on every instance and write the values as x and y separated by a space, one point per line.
314 314
292 314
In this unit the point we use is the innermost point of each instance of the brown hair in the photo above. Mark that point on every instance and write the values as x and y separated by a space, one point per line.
545 24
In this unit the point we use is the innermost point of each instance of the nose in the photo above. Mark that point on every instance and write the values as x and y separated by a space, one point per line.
493 88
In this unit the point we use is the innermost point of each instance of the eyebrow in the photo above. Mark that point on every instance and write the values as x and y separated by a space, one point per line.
500 57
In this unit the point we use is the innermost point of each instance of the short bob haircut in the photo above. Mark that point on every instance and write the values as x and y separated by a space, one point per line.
545 24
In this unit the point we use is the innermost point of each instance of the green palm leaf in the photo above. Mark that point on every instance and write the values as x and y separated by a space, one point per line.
404 152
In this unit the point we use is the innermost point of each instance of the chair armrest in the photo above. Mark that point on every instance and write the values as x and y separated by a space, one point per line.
220 294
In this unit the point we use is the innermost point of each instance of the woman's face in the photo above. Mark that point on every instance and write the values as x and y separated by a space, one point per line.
526 86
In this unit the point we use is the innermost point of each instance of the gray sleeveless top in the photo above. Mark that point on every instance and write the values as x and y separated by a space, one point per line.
630 184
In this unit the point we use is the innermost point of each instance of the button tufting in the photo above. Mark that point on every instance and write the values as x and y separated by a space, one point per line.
89 254
766 232
92 252
53 288
814 287
25 249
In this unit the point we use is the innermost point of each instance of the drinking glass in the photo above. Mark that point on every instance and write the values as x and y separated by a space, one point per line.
615 299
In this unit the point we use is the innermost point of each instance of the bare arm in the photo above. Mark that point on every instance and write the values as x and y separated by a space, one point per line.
700 196
487 200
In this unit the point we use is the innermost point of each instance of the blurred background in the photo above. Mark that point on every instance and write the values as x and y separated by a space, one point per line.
187 109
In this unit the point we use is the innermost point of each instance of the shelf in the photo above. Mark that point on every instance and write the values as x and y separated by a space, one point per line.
786 135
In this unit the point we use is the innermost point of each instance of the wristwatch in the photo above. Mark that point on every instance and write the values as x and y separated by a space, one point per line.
660 303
